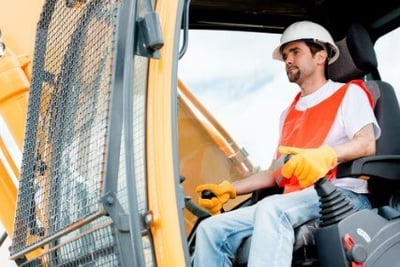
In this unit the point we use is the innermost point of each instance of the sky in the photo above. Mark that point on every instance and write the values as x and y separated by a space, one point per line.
234 77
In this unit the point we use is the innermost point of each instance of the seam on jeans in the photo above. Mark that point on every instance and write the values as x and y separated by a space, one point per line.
282 215
224 242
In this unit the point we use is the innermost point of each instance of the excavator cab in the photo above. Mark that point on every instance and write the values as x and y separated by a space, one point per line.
113 143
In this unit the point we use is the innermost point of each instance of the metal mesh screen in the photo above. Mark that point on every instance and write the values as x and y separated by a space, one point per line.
139 139
91 245
66 134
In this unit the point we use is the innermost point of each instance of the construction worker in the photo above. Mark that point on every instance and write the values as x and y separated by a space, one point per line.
327 123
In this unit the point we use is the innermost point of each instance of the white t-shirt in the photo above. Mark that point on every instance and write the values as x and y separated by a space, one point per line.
354 113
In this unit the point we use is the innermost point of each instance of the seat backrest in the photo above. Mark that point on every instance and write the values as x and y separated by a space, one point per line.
358 61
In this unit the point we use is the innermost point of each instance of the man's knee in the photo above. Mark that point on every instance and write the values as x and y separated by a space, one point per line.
270 204
206 226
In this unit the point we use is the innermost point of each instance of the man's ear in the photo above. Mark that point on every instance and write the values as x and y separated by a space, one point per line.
322 56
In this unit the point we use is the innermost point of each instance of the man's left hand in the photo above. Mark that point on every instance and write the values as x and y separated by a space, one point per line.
308 165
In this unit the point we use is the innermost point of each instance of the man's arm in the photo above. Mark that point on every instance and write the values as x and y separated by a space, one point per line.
226 190
263 179
308 165
362 144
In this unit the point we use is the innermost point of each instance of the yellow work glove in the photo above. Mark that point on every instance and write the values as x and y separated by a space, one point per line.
308 165
223 192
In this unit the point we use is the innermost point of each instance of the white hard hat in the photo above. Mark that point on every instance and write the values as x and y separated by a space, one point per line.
307 30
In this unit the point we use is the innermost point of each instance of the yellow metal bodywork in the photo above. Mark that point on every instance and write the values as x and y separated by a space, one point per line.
14 84
206 151
18 25
8 190
18 19
161 185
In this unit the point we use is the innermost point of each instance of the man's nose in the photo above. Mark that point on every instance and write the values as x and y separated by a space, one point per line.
288 60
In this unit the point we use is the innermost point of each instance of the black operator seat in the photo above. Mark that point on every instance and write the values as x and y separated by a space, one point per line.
358 60
368 237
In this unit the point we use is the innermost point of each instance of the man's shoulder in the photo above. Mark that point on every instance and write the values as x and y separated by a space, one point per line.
357 94
334 83
352 89
332 86
355 89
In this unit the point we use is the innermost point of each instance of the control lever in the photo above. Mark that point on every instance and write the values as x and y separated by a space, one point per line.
207 194
278 165
190 205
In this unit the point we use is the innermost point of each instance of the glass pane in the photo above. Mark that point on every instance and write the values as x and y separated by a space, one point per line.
388 58
236 79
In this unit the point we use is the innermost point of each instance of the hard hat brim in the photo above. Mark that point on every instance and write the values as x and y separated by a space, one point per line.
277 55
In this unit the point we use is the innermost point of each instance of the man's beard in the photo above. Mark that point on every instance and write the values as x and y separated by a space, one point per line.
293 76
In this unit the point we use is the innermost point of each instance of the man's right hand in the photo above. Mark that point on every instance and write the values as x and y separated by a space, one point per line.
223 192
308 165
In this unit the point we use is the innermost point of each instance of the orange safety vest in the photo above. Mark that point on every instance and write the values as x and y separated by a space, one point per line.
309 128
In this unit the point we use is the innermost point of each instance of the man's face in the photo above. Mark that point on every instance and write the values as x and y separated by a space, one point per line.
299 62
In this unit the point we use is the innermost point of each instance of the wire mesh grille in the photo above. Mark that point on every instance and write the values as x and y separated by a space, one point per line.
66 134
139 139
91 245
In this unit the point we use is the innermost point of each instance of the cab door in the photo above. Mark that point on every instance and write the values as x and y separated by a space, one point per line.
98 179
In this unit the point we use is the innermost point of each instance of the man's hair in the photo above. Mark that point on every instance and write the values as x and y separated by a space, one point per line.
314 48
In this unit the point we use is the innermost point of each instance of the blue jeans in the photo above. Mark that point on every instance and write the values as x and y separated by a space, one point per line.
271 223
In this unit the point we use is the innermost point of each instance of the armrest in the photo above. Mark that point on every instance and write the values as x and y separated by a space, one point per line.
381 166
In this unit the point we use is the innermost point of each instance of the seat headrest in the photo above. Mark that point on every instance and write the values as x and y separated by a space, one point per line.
357 56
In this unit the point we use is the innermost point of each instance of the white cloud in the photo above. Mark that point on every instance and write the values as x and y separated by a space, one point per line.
222 55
